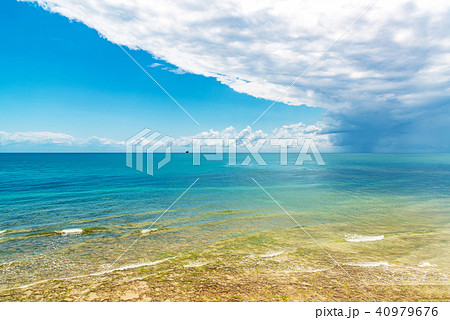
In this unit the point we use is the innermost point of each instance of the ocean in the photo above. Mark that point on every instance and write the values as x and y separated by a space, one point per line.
71 215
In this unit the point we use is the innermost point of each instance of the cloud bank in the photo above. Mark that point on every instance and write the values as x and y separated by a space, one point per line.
50 141
55 142
298 132
384 83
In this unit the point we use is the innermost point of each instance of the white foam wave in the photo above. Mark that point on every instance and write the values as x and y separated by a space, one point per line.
31 284
148 230
137 265
131 266
3 231
195 264
370 264
308 270
360 238
426 264
66 232
269 254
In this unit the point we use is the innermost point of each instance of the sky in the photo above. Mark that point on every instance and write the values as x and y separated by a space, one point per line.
382 86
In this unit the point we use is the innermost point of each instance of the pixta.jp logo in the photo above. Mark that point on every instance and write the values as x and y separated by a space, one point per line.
146 142
143 146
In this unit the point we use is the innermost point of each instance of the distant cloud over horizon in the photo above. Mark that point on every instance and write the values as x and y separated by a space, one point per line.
54 142
51 141
385 84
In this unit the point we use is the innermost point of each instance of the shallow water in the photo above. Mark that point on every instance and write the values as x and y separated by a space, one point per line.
66 215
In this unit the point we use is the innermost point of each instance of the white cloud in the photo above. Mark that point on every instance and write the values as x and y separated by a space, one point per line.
260 47
225 134
155 64
293 134
177 71
298 131
62 140
102 142
35 137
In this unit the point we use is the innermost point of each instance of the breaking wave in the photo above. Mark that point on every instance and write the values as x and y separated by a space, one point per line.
144 231
360 238
66 232
426 264
370 264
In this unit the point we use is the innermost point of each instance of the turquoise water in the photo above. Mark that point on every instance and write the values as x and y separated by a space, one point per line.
353 198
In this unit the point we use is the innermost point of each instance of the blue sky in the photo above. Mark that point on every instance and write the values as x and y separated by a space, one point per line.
63 83
60 76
